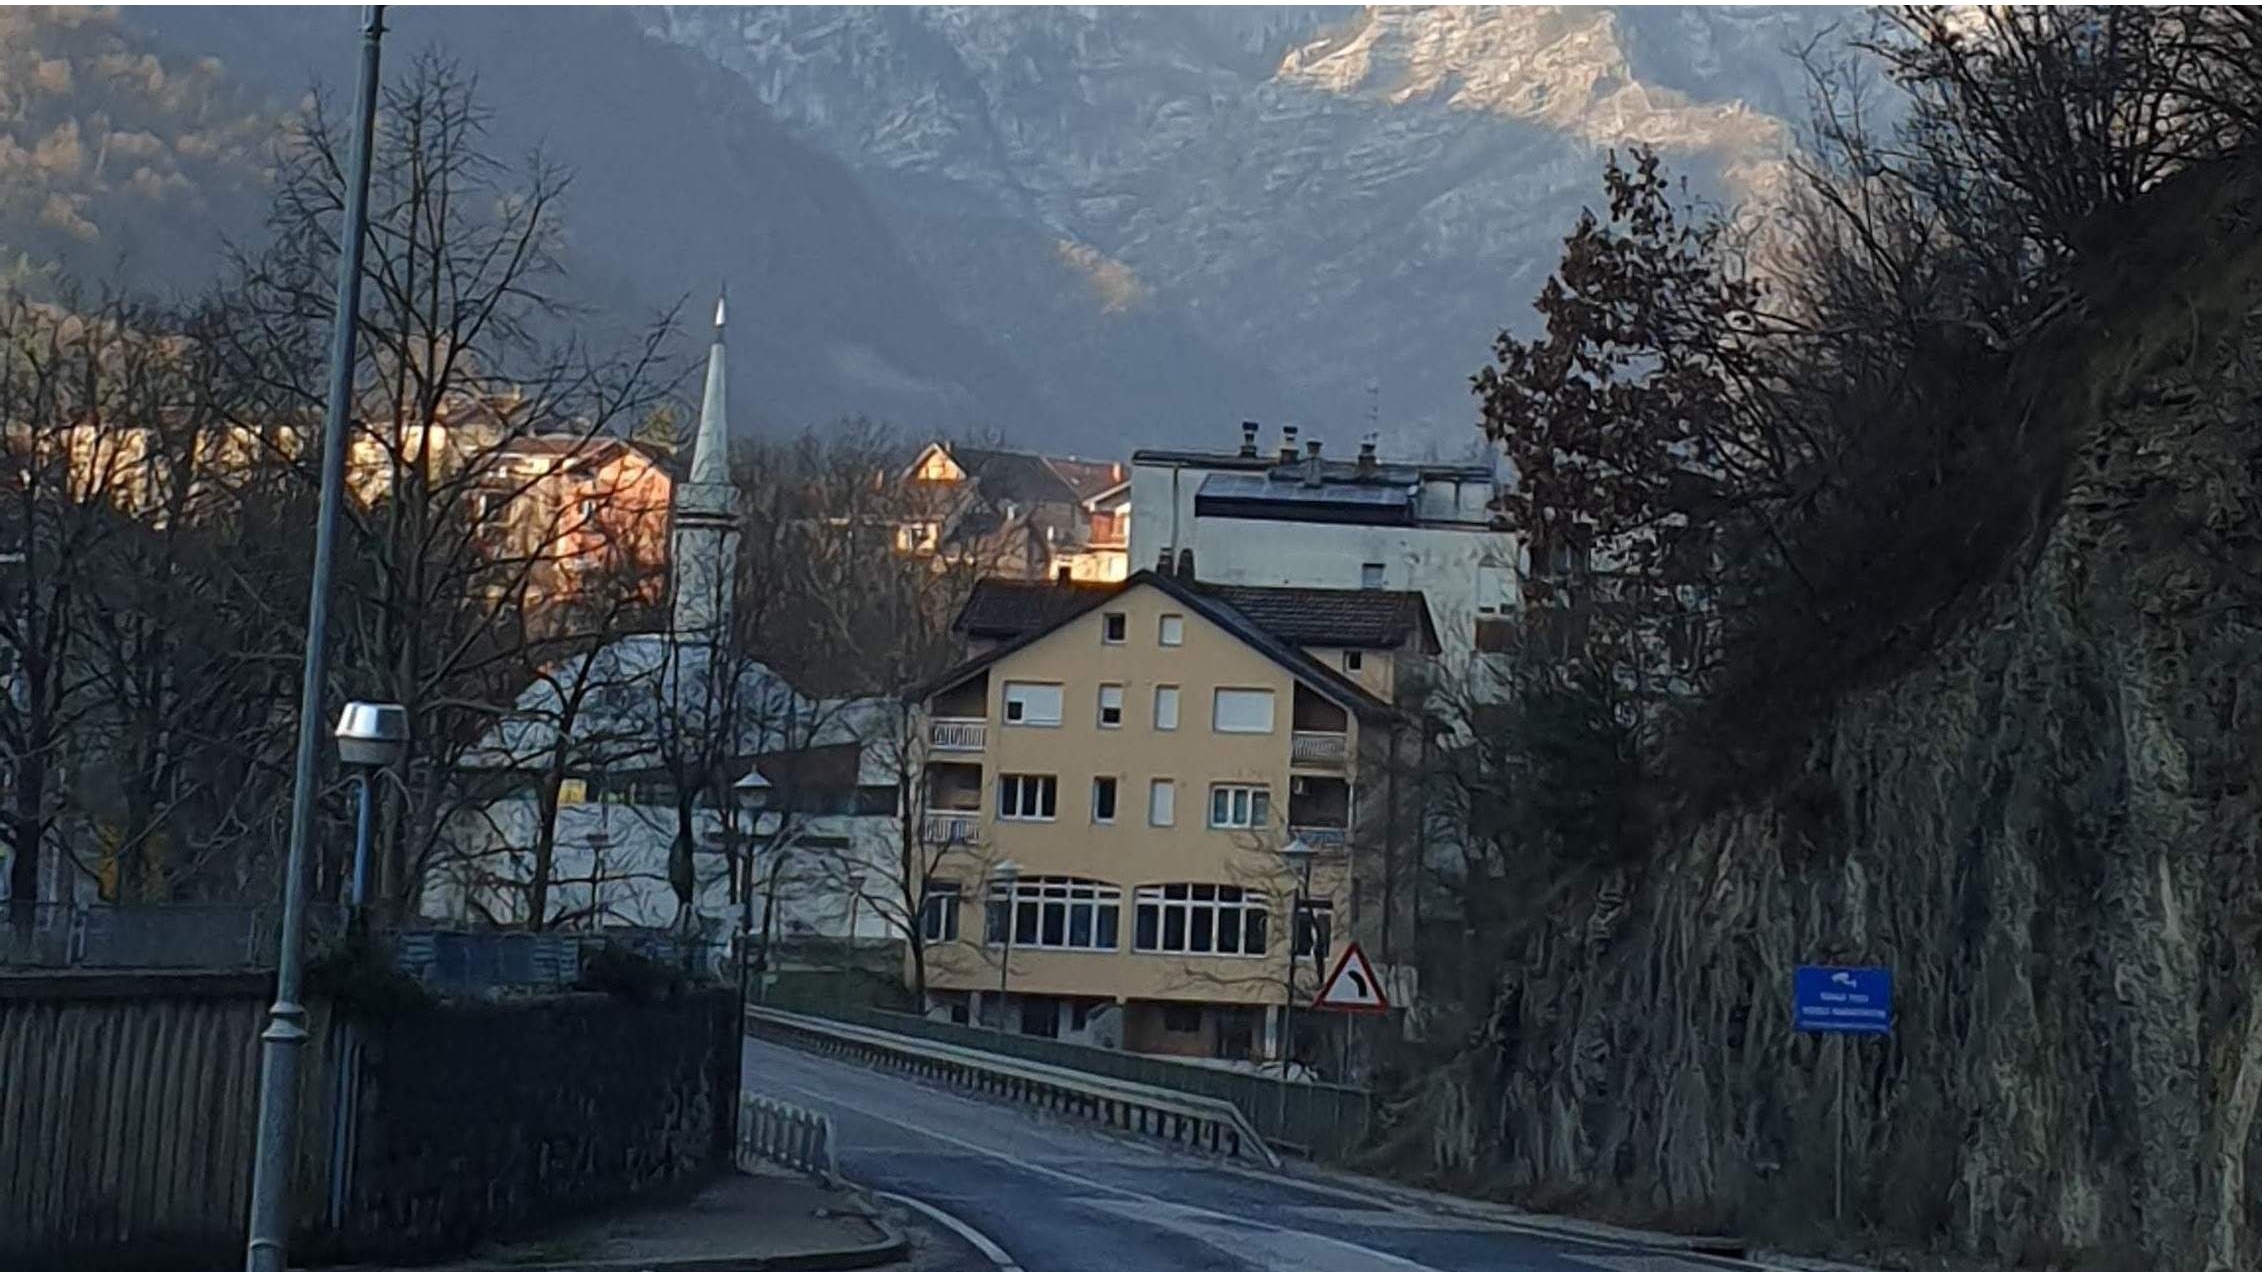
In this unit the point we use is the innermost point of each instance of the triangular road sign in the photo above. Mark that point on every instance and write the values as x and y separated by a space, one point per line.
1353 986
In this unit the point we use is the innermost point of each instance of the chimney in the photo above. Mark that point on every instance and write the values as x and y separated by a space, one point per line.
1248 439
1288 444
1312 476
1186 564
1366 454
1162 562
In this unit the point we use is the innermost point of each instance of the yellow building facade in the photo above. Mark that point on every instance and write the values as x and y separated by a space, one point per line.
1118 787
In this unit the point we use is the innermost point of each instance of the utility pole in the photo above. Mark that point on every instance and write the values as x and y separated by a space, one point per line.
284 1039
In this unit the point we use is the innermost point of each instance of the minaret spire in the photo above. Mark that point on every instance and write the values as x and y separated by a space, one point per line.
706 534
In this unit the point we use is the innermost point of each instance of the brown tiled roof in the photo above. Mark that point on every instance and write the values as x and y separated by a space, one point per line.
1003 609
1346 617
1074 600
1087 477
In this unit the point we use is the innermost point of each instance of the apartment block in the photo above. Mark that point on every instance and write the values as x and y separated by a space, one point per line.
1162 805
1293 517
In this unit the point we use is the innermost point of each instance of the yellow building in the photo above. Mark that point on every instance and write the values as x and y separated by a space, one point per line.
1130 761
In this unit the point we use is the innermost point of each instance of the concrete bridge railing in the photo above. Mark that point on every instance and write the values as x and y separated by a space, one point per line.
1198 1123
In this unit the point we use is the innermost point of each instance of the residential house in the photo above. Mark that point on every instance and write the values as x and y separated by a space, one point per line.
1120 768
1018 514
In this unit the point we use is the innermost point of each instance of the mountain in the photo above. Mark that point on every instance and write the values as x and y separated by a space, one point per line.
1088 228
681 182
1327 197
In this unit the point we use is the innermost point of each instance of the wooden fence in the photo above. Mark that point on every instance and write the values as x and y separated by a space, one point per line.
127 1117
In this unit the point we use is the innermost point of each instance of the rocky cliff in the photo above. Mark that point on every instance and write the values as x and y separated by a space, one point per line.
2051 831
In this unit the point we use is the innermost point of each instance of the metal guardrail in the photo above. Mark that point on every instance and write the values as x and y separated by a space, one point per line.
1198 1122
792 1136
1322 1119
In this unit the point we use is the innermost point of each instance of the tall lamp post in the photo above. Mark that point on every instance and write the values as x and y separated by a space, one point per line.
1004 876
371 736
1298 855
285 1036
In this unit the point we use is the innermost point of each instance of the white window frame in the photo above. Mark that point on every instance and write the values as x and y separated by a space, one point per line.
1217 709
1170 631
938 914
1247 806
1162 802
1169 694
1201 910
1039 791
1023 720
1120 622
1045 910
1115 791
1354 660
1106 706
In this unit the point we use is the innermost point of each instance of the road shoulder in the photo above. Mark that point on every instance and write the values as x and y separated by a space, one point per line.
749 1220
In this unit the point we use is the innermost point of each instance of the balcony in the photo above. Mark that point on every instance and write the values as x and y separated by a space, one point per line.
1319 750
957 734
944 828
1324 838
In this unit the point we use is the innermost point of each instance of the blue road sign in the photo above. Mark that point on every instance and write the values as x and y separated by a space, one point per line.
1842 1000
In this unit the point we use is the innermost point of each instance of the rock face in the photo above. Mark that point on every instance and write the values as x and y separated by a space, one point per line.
2051 832
1280 205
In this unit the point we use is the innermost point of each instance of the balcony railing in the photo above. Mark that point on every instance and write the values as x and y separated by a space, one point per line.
958 734
952 829
1330 750
1321 837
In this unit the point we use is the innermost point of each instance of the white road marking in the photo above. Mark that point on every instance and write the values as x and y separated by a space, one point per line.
1640 1263
1381 1257
991 1250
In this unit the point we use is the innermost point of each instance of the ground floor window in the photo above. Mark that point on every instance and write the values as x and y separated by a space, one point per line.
1199 918
938 914
1056 913
1181 1018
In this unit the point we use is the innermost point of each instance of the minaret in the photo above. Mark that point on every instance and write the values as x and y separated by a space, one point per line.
706 528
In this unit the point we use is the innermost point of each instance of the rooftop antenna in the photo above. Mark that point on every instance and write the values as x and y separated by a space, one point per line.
1374 406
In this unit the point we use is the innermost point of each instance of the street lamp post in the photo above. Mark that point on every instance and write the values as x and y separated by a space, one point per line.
285 1036
1006 874
848 946
371 735
1298 855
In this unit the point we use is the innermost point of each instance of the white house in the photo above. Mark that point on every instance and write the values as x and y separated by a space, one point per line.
1286 518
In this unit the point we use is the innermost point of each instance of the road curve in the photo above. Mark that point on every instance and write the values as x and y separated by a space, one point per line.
1046 1196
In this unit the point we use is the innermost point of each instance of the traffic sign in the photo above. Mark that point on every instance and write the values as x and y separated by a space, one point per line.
1352 986
1842 1000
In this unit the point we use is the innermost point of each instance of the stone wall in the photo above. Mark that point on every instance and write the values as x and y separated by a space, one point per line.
486 1119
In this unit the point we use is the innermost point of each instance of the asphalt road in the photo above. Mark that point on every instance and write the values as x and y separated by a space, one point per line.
999 1187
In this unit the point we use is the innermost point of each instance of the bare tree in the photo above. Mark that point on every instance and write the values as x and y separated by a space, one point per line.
463 363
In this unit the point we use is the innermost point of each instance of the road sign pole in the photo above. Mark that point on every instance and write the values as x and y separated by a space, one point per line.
1838 1192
